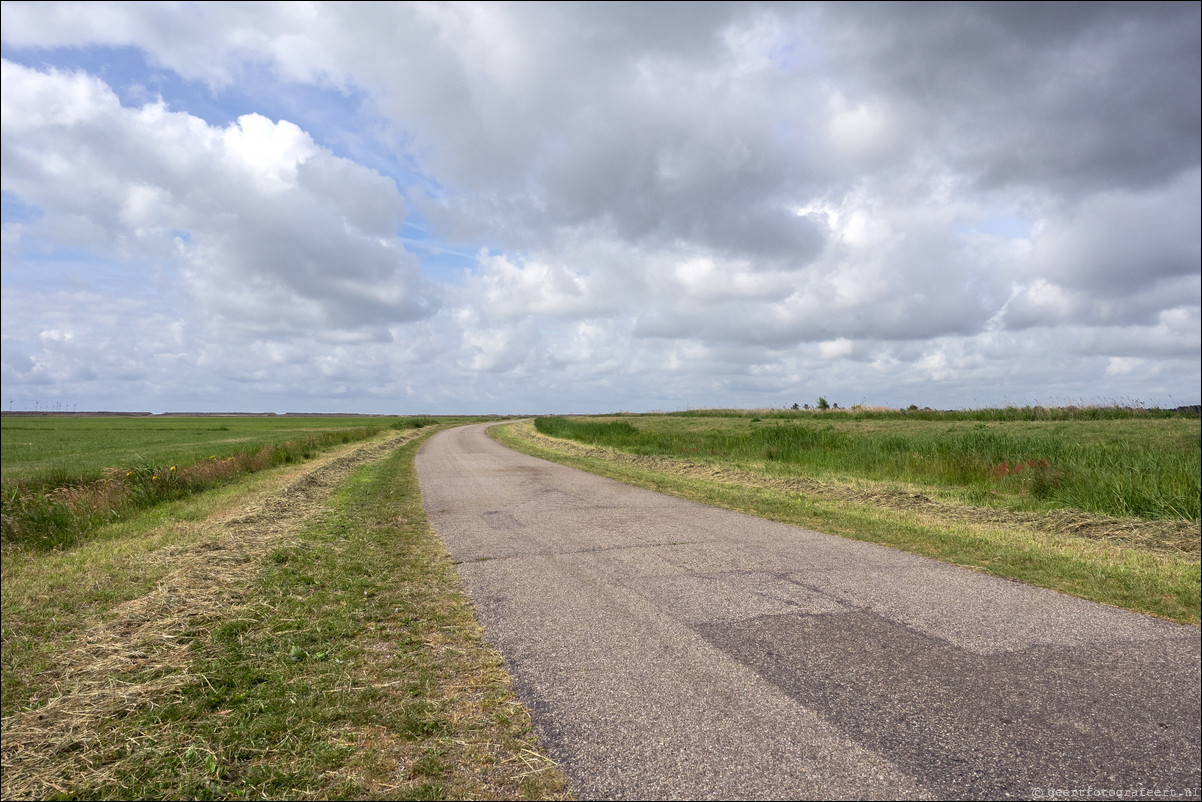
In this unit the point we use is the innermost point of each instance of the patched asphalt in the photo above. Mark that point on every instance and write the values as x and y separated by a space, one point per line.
668 649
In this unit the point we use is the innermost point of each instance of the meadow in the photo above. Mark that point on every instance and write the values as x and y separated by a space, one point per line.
1111 462
65 476
82 446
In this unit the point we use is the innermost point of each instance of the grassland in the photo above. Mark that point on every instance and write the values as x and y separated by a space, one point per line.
1137 466
83 446
298 632
1102 506
66 476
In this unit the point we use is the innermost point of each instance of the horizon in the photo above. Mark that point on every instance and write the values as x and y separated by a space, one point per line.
834 407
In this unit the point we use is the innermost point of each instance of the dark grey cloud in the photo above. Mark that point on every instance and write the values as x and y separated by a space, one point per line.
1072 96
1043 304
537 120
1117 243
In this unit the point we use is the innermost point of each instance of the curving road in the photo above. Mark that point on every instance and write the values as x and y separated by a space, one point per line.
672 650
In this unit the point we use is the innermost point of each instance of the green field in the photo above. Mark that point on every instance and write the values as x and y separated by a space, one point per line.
37 445
66 477
1137 465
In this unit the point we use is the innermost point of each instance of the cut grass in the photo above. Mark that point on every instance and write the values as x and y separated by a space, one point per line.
1146 566
312 644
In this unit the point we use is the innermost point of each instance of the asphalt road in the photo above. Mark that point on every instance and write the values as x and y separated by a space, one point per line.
672 650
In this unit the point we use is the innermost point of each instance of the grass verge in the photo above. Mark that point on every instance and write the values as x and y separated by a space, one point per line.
305 638
1147 566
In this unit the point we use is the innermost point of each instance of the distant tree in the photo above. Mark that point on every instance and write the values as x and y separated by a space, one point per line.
822 404
796 407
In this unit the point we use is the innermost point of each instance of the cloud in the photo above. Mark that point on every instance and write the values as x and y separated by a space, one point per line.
716 201
1075 97
268 231
1121 241
1115 259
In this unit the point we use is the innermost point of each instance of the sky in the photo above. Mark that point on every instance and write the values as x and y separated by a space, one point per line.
570 208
